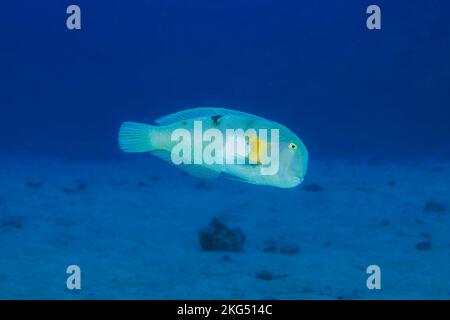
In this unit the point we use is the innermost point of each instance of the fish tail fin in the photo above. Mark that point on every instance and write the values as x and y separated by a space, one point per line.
135 137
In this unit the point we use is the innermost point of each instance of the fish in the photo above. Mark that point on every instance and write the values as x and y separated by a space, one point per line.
212 142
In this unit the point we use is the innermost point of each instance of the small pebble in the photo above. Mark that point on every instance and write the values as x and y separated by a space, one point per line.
34 184
384 223
270 246
202 186
79 186
312 187
282 248
265 275
289 249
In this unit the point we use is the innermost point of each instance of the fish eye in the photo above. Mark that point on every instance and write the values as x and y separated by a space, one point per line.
292 146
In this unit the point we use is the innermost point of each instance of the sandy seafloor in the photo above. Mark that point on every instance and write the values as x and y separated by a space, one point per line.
133 226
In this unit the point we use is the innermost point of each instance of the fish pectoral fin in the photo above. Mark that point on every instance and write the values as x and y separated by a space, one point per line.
199 171
233 177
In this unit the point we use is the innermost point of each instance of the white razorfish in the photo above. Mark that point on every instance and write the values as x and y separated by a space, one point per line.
209 142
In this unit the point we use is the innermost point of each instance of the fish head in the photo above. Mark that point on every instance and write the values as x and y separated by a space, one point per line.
293 160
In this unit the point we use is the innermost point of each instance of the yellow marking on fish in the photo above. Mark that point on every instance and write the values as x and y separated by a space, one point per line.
258 150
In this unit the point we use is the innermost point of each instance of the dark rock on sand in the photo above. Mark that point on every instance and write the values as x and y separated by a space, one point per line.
312 187
328 243
219 237
422 246
432 206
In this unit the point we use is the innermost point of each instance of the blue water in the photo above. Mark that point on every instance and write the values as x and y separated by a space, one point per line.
371 106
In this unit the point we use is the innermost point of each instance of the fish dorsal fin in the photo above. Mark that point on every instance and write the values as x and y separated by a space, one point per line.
199 171
197 113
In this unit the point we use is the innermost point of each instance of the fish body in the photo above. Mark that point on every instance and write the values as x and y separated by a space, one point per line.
208 142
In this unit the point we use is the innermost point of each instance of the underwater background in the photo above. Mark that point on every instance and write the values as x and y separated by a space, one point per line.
372 107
